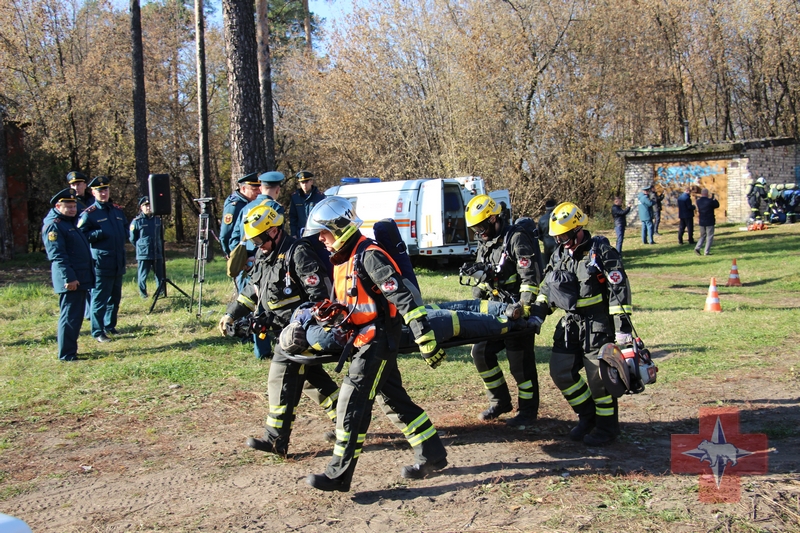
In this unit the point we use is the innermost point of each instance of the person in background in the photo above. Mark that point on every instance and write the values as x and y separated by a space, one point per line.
249 187
620 215
105 227
656 198
646 214
302 202
73 276
706 221
147 238
548 242
77 182
686 215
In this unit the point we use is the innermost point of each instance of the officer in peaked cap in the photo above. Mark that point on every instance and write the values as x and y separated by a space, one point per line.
106 228
77 181
303 201
72 273
147 237
249 188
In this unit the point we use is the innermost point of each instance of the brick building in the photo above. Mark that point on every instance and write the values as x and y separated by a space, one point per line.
725 169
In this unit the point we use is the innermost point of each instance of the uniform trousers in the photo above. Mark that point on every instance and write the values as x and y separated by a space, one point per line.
72 305
106 296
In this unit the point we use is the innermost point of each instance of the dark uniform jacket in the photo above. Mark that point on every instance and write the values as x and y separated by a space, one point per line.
519 272
69 252
84 202
705 211
620 215
301 206
280 283
237 233
145 235
230 215
106 229
591 284
685 206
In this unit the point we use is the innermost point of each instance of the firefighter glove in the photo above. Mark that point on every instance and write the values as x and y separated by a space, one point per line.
429 348
293 338
535 323
623 339
226 326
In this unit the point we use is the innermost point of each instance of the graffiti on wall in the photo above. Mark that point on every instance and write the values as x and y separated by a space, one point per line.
671 179
682 175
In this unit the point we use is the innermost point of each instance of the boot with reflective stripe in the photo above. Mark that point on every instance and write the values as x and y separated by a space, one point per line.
526 414
606 428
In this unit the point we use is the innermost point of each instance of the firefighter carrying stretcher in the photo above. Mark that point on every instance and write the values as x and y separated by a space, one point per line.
585 277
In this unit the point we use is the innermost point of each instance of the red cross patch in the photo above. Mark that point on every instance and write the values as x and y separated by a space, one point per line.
524 262
389 286
615 277
312 280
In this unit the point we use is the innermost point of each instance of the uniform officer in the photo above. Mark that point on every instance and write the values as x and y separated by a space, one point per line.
249 187
585 278
105 227
286 274
77 182
147 237
369 283
303 201
513 273
71 269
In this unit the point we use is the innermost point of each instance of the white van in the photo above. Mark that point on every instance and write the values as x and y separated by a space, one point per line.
428 212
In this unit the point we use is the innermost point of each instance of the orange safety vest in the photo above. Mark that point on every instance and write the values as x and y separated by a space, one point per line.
362 304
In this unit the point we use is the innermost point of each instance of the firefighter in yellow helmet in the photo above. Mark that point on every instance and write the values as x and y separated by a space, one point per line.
286 274
586 279
510 260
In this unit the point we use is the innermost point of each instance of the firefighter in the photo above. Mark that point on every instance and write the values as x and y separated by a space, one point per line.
380 299
585 277
756 193
286 274
511 273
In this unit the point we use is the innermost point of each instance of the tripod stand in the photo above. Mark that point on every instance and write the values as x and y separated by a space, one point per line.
162 270
201 254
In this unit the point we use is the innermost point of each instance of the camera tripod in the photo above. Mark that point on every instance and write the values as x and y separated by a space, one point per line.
201 254
161 267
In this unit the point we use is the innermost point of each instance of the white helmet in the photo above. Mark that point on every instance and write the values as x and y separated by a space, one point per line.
761 181
335 214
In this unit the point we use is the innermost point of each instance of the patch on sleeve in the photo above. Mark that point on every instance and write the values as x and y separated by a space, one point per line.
389 286
133 226
524 262
312 280
228 218
52 236
615 277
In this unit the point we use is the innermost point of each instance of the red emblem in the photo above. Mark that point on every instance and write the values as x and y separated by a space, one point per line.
524 262
615 277
312 280
228 218
389 286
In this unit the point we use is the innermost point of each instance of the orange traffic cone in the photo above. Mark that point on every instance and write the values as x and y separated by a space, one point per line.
712 300
733 279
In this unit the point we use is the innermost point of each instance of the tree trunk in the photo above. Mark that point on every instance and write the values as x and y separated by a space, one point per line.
6 237
202 101
246 125
139 101
265 79
307 26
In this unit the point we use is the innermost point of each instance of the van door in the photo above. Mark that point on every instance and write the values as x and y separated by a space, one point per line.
502 196
431 214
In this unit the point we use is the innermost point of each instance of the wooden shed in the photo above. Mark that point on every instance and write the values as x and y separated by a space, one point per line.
725 169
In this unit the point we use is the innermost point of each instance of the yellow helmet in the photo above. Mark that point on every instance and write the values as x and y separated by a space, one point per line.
261 218
481 208
565 217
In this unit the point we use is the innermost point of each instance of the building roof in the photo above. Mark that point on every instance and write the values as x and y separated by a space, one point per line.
704 149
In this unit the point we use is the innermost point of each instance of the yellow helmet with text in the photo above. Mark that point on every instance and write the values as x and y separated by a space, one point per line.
566 217
262 218
481 208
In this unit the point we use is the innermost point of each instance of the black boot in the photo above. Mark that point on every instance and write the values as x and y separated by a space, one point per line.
526 414
421 471
495 411
585 425
605 431
267 445
499 402
339 484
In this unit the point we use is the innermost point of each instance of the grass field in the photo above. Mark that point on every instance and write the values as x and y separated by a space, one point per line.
167 363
